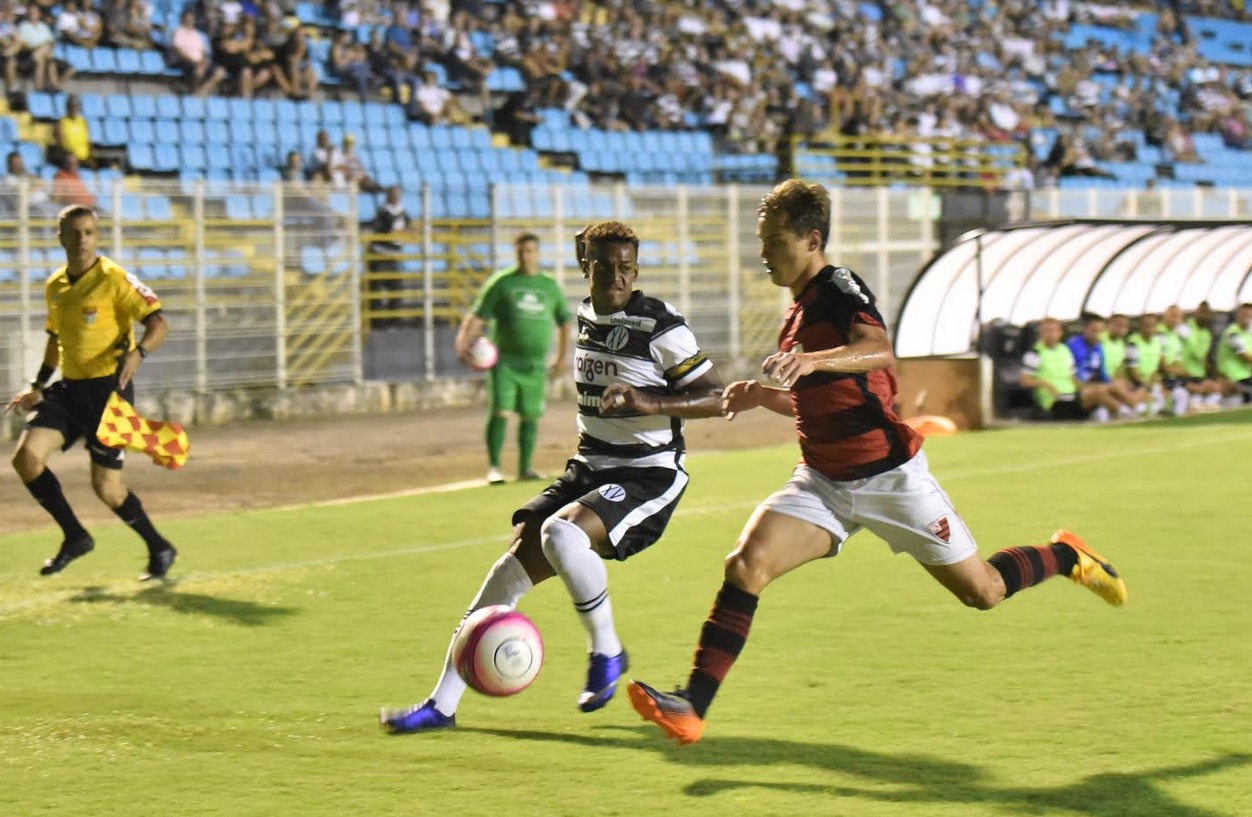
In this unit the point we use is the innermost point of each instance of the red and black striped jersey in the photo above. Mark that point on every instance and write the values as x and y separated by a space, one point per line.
846 422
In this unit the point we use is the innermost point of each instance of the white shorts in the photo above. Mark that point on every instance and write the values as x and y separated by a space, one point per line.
904 506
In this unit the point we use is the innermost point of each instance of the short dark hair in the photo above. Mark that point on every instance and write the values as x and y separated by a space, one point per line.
803 206
525 238
1121 315
72 212
610 232
1091 317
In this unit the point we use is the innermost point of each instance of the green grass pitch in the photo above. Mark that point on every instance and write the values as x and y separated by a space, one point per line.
251 686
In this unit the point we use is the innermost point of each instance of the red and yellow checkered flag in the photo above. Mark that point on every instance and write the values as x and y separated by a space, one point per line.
122 427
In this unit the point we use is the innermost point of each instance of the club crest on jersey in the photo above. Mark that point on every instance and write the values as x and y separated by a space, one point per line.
90 313
941 529
617 338
613 492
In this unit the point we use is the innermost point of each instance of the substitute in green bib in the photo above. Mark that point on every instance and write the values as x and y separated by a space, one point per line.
1049 368
1186 348
523 308
1234 357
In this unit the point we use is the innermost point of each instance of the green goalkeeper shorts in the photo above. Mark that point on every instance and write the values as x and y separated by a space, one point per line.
519 388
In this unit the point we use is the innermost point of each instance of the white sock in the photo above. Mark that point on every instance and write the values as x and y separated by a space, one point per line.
1214 399
506 583
1181 398
1100 415
1234 401
1125 411
1141 408
569 552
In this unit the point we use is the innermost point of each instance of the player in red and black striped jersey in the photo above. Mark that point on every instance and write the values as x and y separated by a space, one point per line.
860 466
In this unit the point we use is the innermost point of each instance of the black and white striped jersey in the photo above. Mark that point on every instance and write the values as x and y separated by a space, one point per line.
649 346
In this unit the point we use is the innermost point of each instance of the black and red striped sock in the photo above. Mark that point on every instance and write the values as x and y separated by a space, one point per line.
1027 566
721 639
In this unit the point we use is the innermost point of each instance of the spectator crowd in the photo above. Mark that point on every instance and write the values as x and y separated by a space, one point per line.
754 72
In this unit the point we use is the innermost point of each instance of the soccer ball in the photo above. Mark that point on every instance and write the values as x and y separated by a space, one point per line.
498 651
483 354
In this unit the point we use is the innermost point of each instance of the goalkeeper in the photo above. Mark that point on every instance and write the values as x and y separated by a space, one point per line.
93 306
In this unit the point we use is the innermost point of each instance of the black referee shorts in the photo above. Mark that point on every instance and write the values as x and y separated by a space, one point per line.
74 408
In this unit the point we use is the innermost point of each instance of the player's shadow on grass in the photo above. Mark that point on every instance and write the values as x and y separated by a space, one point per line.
245 613
906 778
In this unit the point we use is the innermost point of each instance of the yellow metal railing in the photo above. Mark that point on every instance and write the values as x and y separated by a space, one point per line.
928 162
455 258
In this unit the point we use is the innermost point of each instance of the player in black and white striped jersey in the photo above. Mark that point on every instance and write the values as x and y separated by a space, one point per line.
639 373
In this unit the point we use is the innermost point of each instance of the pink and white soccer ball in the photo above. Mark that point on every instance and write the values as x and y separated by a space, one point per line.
483 354
498 651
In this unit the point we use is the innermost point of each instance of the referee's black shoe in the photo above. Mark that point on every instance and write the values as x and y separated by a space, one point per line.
159 563
70 550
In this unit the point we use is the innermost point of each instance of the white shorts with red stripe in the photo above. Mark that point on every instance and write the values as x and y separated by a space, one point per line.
905 507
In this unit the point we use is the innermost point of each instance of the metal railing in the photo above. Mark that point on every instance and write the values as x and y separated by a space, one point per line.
936 162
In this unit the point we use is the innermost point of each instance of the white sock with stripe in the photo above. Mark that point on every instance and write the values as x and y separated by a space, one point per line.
506 583
569 552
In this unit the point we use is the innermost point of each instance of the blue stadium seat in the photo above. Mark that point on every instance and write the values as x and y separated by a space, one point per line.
353 116
375 115
331 112
43 105
191 132
196 108
193 156
79 58
151 64
216 107
132 208
461 139
141 130
238 208
92 104
308 113
218 157
264 110
117 105
240 108
128 62
286 112
166 157
159 208
167 131
178 263
32 154
104 61
217 134
140 156
242 155
115 133
168 106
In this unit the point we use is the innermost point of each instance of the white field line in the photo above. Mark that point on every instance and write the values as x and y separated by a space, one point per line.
502 539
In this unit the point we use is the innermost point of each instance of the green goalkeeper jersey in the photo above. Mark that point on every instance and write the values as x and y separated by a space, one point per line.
524 311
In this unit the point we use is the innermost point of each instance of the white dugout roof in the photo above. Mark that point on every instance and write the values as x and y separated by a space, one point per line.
1063 269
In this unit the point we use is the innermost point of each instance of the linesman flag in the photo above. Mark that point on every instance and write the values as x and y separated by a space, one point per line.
122 427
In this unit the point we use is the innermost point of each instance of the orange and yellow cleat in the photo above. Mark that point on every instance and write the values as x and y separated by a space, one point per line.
669 710
1093 571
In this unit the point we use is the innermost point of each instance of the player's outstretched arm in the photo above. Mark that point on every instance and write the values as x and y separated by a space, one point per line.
701 397
745 395
868 349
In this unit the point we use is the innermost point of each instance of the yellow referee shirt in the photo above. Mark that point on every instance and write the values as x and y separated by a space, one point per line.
75 137
93 318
